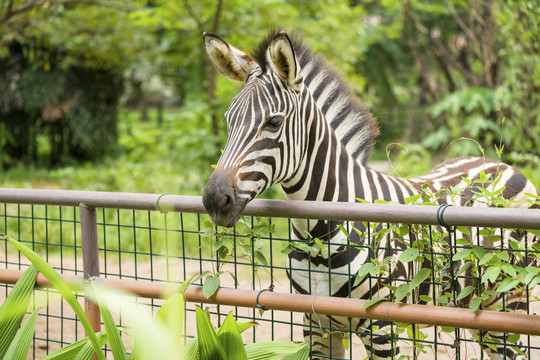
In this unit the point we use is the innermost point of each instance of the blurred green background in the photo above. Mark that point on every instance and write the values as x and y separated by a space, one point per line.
118 95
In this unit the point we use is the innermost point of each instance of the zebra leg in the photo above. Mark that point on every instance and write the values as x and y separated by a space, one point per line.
378 341
324 340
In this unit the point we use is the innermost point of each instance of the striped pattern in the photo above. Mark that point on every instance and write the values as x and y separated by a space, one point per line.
318 152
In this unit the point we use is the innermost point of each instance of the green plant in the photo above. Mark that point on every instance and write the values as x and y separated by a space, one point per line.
160 337
245 243
492 268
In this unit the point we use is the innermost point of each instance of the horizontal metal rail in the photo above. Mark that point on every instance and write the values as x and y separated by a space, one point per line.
322 305
386 213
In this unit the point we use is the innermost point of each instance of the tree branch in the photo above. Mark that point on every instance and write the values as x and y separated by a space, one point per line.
217 14
193 16
424 73
435 40
461 24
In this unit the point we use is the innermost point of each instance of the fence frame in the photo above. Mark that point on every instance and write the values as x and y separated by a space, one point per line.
88 201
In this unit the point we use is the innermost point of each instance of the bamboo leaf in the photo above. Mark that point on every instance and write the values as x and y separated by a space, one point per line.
14 308
62 287
209 346
301 354
171 314
71 351
117 345
20 345
276 350
229 337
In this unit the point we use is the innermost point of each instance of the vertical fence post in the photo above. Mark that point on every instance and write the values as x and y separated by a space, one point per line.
90 254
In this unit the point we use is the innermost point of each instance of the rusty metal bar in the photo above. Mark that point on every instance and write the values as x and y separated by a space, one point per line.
407 313
395 213
90 254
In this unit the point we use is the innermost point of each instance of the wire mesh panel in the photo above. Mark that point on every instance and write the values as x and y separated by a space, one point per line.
447 267
53 232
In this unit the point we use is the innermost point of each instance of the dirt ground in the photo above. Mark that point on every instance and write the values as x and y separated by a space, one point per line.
57 326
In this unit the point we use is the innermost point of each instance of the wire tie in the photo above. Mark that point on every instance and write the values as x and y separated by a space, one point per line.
157 202
440 211
260 306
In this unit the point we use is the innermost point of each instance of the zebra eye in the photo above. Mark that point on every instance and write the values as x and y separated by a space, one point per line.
273 122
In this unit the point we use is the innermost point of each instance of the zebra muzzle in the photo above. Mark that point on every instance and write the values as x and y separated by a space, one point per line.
220 198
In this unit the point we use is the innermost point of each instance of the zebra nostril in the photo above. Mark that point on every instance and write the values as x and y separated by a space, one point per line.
225 201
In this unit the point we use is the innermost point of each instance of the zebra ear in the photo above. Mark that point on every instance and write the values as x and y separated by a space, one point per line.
283 59
231 62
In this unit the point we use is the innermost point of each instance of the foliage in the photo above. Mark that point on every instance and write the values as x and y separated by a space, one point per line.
431 72
495 266
246 243
74 109
160 337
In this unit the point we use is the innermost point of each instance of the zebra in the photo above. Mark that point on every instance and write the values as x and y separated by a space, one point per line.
297 123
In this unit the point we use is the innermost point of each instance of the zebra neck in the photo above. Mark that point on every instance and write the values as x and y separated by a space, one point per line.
326 174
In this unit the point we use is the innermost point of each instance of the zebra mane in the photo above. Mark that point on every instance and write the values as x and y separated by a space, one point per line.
351 121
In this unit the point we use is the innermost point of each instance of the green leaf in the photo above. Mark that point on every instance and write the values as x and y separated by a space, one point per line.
491 274
346 343
504 256
464 268
183 287
243 326
478 251
277 350
534 232
461 254
171 314
210 347
261 258
401 292
229 337
20 345
509 269
507 284
408 255
302 353
71 351
413 198
115 340
363 271
465 292
14 308
210 286
419 278
513 338
372 302
62 287
486 258
475 304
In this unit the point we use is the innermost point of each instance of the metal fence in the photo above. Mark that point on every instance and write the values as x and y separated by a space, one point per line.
145 242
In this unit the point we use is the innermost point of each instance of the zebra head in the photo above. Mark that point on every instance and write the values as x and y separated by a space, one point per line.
261 121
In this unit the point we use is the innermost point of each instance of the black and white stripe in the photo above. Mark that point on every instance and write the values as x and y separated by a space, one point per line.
296 122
